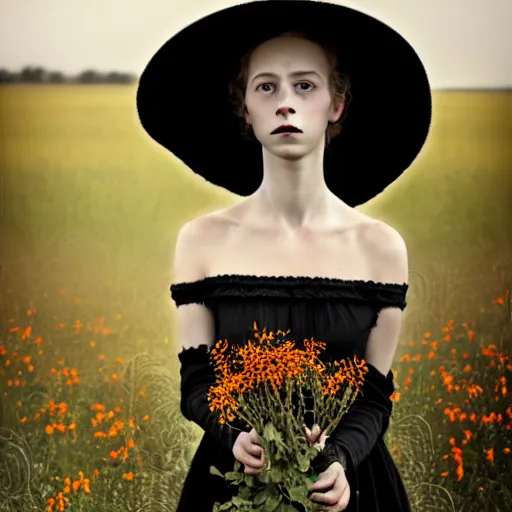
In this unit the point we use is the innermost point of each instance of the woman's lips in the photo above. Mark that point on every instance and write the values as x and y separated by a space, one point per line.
286 129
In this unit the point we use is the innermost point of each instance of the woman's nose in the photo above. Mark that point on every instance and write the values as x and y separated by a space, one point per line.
284 111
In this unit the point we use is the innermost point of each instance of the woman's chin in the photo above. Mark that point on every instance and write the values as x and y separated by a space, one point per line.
289 151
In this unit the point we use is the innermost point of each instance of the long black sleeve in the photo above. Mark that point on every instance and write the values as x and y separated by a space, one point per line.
367 419
197 375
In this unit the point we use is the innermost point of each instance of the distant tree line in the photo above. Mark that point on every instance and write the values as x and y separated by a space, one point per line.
40 75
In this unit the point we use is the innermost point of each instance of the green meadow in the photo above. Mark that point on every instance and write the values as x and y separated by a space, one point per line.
90 208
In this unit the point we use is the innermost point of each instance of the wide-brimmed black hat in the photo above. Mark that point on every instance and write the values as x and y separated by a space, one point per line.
184 104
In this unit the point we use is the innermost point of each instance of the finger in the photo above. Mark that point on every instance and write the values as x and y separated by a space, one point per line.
313 435
319 436
342 503
320 445
254 437
332 496
254 466
325 480
253 471
344 500
335 496
253 462
254 450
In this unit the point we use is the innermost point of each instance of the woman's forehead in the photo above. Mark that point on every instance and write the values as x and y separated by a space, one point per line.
289 53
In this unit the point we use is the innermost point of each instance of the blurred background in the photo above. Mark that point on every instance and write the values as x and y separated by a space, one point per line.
90 208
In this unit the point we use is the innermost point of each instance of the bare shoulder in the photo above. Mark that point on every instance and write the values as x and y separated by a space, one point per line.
196 238
200 228
385 250
195 321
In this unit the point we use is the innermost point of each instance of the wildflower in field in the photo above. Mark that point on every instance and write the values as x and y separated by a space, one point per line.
462 370
57 504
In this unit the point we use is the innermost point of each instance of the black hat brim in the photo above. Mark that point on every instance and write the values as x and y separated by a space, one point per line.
183 101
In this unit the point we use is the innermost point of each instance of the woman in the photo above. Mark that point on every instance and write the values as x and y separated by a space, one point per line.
294 254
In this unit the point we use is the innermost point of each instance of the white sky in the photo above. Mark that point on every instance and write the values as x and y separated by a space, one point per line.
463 43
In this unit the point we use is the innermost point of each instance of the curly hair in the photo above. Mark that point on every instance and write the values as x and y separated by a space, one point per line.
339 82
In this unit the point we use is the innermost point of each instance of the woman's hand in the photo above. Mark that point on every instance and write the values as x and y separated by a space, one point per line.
333 478
249 451
316 437
337 498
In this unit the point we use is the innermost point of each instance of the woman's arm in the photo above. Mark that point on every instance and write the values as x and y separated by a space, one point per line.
194 321
196 333
390 265
353 438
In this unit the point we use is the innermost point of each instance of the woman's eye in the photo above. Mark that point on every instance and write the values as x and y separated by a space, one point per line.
266 87
301 87
304 86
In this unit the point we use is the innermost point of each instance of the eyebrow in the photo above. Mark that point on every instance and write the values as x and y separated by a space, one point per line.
295 73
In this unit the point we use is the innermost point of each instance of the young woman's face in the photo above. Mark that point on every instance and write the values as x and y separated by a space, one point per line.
288 84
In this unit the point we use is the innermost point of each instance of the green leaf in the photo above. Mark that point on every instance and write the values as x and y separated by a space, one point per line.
275 475
271 434
303 462
239 501
225 506
246 494
272 504
261 497
299 494
264 477
215 471
233 475
296 493
285 507
249 480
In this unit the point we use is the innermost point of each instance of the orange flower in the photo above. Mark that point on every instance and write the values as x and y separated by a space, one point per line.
266 361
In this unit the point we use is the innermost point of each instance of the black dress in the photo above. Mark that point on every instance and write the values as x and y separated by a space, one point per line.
338 312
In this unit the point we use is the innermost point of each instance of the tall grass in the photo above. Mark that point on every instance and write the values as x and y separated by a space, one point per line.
451 430
90 204
86 432
82 430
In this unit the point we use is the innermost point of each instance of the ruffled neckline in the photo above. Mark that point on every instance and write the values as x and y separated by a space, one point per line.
211 288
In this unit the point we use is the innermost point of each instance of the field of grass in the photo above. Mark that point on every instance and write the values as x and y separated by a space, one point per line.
90 208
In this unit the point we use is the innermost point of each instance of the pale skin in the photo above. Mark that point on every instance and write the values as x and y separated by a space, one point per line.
311 232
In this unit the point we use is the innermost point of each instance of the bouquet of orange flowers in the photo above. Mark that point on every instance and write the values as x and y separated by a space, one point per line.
256 382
